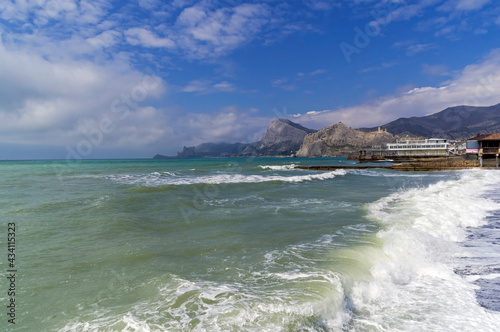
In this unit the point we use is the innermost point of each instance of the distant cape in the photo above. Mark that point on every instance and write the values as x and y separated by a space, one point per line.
282 138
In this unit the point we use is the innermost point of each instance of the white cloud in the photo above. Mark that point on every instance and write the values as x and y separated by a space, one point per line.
53 102
435 70
224 86
317 72
475 85
284 84
464 5
191 16
42 12
321 4
418 48
227 125
105 39
146 38
148 4
382 66
207 86
202 32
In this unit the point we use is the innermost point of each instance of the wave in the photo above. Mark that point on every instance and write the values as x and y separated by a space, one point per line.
184 305
163 179
412 284
386 173
278 167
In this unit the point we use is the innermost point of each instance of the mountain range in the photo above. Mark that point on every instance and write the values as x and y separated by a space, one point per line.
286 138
459 122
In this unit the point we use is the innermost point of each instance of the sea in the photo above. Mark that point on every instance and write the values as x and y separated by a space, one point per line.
246 244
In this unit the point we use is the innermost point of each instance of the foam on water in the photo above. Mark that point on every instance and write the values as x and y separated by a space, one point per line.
385 173
162 179
480 263
206 306
413 286
278 167
286 294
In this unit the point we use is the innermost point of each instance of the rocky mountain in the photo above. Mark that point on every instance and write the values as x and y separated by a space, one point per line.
339 140
283 138
459 122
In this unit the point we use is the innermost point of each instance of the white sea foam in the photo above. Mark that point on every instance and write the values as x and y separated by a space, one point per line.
278 167
161 179
384 173
185 305
413 286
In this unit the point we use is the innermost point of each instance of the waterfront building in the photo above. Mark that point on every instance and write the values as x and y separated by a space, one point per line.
419 147
487 147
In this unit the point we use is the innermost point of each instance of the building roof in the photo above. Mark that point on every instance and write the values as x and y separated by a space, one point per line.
486 137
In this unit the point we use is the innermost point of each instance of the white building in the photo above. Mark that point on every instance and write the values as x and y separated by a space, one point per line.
418 147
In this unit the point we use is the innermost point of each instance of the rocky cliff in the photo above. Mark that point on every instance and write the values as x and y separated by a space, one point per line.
283 138
459 122
340 140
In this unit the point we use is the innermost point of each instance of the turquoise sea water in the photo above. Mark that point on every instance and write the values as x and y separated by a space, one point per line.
249 245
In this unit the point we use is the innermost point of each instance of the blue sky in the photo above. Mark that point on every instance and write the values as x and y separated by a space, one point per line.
117 79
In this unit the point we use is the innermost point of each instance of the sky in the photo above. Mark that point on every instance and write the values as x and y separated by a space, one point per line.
130 79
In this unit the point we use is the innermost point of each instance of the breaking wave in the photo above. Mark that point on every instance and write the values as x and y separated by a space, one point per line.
162 179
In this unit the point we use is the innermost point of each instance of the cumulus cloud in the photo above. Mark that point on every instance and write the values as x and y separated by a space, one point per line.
105 39
476 85
85 109
45 102
42 14
204 32
229 124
